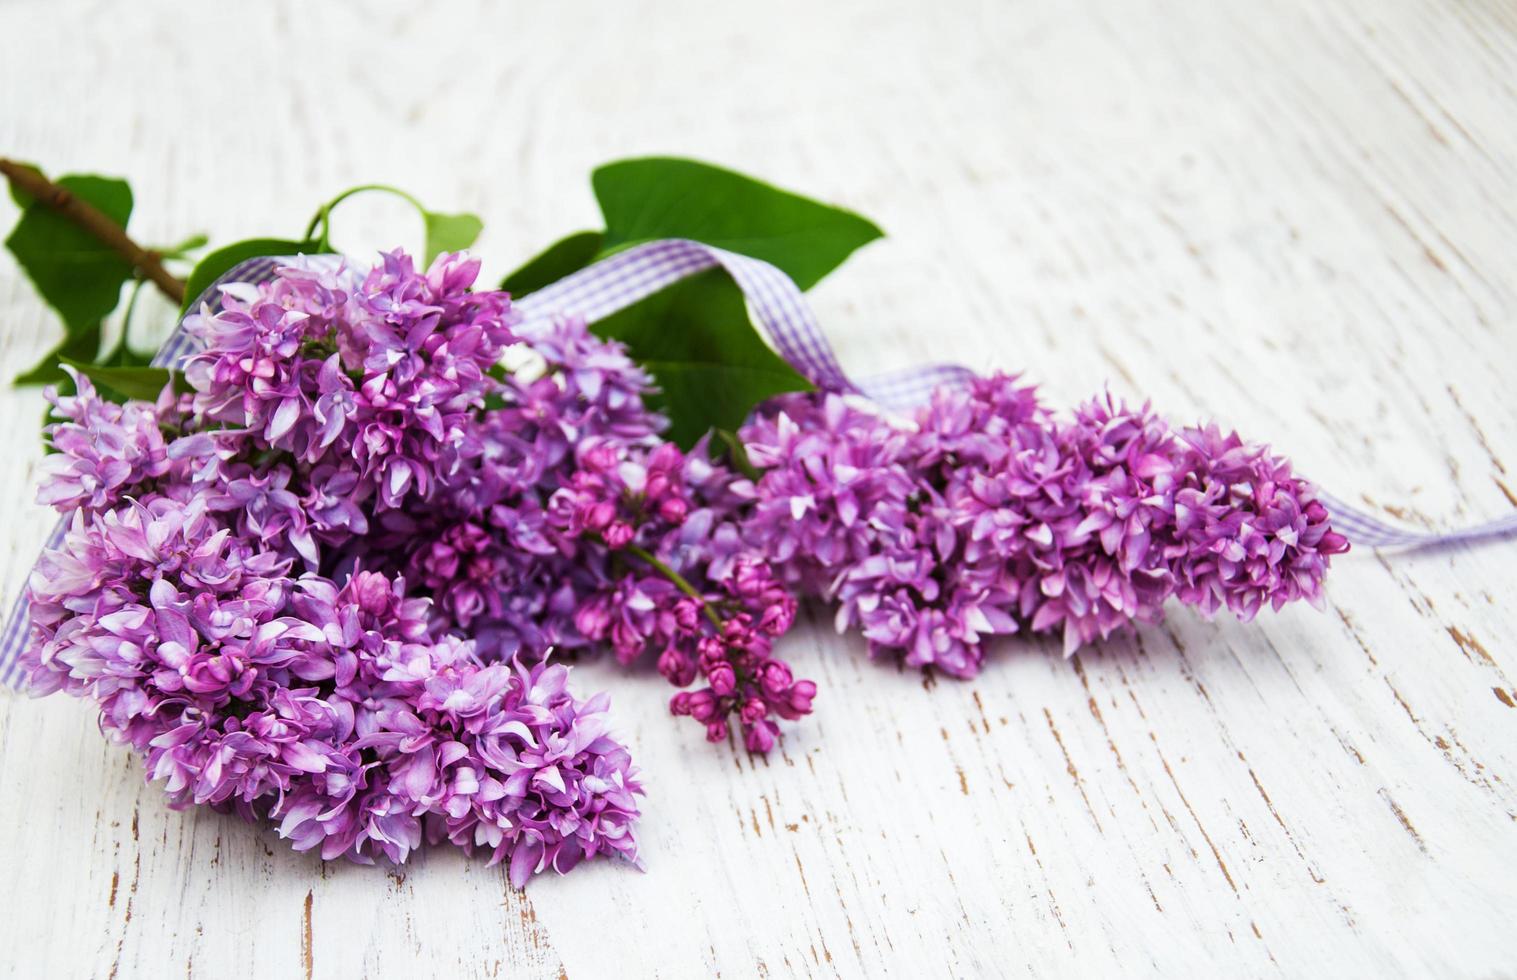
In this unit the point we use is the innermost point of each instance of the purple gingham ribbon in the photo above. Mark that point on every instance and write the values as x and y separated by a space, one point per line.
780 310
1367 529
782 313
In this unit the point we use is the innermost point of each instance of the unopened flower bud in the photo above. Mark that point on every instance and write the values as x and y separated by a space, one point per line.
600 515
760 737
775 678
754 710
676 667
722 678
618 535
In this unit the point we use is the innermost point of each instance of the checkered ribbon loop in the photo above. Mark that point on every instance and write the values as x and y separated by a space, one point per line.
775 303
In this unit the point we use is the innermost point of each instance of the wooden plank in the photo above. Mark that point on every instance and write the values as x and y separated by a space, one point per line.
1296 220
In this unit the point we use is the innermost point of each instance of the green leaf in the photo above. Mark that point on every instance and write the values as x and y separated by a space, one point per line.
666 197
75 274
553 263
449 233
130 382
696 337
219 262
710 364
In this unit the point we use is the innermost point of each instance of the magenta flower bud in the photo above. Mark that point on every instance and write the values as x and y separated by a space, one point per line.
716 731
738 632
801 696
600 515
626 641
775 678
753 711
760 736
372 591
618 535
593 620
722 678
676 667
599 456
710 651
777 618
703 706
687 615
674 510
667 458
750 578
680 703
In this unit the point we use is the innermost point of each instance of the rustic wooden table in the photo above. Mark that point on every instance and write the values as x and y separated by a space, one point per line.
1296 218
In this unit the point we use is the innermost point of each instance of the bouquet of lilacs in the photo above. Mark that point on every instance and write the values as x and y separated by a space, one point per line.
329 577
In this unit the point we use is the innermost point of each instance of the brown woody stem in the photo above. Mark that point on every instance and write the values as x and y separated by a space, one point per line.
102 228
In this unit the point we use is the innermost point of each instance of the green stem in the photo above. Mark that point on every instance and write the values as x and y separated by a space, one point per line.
126 321
679 581
323 216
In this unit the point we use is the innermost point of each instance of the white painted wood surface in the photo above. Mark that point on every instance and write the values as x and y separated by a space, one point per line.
1296 217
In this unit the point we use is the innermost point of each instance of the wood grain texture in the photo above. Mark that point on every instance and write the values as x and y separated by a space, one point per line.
1298 219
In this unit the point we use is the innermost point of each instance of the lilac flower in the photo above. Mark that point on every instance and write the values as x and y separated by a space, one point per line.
1253 533
743 677
334 711
988 515
103 451
667 604
388 369
229 590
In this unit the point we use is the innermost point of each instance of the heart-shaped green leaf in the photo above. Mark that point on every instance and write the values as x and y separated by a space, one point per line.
667 197
221 261
710 364
696 336
449 233
74 273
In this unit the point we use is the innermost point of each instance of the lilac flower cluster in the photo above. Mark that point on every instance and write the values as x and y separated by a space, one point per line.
986 514
231 594
686 595
573 525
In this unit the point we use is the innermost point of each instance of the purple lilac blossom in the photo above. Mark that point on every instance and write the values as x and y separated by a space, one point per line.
231 594
104 451
985 515
682 595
